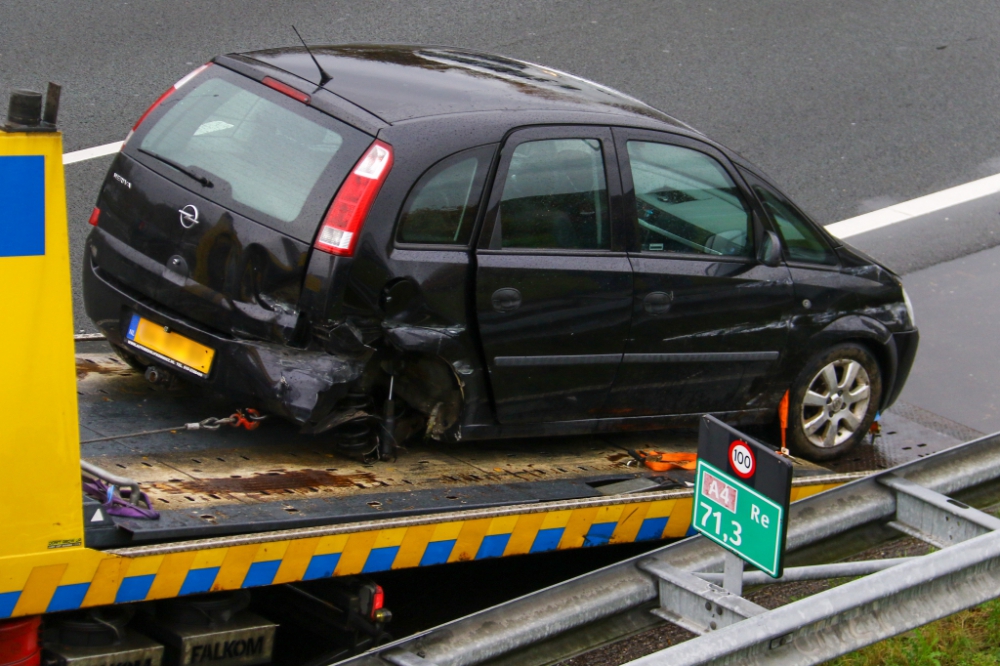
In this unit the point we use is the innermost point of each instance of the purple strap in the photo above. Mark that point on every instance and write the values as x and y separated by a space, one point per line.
116 504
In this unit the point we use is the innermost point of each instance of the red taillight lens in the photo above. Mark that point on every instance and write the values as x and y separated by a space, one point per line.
285 89
170 91
19 641
94 216
349 209
378 601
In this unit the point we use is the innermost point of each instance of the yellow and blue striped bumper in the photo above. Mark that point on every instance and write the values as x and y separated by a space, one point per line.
72 578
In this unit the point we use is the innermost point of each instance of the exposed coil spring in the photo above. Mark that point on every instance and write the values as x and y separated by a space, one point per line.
354 436
357 402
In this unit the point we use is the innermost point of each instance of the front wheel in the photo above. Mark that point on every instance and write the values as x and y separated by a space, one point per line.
833 402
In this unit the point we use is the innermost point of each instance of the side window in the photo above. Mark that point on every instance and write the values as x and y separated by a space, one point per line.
802 242
442 207
686 202
556 197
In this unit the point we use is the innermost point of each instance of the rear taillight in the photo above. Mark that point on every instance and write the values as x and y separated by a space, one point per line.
94 216
19 641
378 601
170 91
350 207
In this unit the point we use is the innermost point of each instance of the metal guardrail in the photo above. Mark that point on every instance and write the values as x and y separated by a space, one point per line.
623 587
826 625
853 615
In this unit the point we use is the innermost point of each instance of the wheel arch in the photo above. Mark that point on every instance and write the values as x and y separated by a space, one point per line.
871 334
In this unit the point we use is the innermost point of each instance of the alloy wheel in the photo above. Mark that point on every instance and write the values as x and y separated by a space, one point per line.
835 403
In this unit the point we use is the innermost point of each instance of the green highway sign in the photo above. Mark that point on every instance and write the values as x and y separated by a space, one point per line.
741 495
738 518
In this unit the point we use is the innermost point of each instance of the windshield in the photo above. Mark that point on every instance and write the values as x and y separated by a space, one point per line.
253 150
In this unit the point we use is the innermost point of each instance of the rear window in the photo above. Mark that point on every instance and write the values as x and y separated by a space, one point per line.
268 156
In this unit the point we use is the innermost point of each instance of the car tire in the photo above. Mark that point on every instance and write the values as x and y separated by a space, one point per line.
833 402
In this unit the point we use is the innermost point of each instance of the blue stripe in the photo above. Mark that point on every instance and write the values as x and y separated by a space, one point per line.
599 534
22 200
321 566
492 546
652 528
380 559
68 597
199 580
134 588
261 573
133 326
437 552
7 602
547 540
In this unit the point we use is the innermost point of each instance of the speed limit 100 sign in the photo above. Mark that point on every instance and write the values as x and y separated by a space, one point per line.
741 495
741 459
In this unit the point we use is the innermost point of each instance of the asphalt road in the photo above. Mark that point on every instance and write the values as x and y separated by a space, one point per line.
851 106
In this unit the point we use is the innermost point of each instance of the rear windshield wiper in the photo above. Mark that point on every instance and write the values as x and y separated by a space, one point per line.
183 169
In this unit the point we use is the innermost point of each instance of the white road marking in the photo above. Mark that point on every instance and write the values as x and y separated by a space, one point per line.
896 213
854 226
91 153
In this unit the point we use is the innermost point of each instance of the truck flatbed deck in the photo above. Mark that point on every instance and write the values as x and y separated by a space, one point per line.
243 509
229 481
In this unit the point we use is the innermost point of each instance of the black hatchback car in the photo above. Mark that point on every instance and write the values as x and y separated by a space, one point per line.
380 241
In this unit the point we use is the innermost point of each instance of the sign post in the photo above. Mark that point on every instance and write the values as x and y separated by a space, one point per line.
741 497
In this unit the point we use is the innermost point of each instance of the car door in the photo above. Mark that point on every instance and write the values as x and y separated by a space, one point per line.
707 315
553 282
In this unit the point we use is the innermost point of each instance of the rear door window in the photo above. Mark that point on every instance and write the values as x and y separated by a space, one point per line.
442 208
556 197
266 155
687 203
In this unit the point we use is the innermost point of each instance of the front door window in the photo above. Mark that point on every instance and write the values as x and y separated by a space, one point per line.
687 203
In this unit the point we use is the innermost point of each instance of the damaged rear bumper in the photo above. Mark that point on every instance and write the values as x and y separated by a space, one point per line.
298 384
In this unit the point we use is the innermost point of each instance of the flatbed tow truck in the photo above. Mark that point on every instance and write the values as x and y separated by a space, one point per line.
247 513
264 508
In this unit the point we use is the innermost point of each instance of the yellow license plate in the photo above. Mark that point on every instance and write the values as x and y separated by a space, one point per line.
172 348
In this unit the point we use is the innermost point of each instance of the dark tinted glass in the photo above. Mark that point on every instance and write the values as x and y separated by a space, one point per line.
802 242
269 156
556 197
686 202
442 208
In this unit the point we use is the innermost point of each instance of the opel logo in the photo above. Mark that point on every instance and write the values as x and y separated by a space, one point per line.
189 216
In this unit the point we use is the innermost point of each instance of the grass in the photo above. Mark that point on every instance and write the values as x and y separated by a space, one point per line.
969 638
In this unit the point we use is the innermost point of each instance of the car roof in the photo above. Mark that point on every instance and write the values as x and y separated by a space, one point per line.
397 82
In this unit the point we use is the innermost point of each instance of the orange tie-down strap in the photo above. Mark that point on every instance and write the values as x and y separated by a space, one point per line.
664 462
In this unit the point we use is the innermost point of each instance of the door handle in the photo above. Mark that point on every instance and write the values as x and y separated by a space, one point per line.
657 302
507 299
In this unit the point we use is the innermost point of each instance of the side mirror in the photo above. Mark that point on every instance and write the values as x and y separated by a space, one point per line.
769 253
